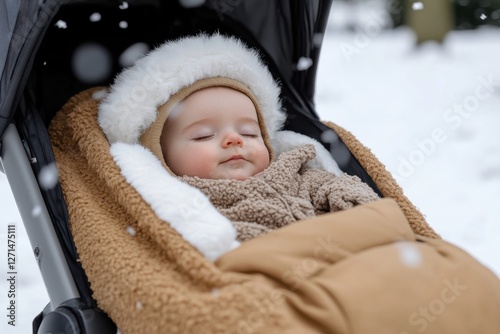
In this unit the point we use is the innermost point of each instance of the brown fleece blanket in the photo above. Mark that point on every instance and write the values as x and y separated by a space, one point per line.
361 270
284 193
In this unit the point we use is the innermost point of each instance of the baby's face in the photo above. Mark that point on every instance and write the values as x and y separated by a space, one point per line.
214 134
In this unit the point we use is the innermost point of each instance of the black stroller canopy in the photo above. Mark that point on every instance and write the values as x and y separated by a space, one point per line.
39 50
54 49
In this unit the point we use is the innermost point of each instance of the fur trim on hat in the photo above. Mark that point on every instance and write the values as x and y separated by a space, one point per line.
131 106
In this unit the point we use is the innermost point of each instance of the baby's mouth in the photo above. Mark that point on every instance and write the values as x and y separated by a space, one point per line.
237 157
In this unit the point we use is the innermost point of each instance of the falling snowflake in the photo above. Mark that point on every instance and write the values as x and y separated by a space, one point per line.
483 17
177 109
417 6
138 305
95 17
341 154
131 231
123 24
91 63
132 53
304 63
215 293
61 24
48 176
329 136
317 39
37 211
409 254
124 5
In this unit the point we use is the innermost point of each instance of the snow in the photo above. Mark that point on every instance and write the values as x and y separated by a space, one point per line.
124 5
61 24
132 53
131 231
430 114
304 63
417 6
49 176
95 17
409 253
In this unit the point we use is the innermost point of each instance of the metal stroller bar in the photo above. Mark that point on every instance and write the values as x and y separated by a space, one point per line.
49 255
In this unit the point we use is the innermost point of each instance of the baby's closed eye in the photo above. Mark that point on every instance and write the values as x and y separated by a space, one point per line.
202 134
251 135
250 130
203 138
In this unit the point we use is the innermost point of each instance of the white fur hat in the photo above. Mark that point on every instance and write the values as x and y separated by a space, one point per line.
131 107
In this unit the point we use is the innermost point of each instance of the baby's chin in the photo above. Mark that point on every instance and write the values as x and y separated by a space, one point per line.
239 175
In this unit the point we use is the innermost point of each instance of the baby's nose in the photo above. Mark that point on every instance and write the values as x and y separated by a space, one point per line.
233 139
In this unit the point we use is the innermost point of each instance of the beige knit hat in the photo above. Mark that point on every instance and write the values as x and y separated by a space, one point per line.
151 137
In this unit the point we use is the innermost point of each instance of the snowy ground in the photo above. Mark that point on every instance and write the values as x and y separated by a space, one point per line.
431 115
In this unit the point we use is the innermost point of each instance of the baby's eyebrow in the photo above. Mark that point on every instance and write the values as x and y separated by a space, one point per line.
203 121
249 119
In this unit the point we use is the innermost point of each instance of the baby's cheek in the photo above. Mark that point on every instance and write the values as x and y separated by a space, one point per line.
261 157
199 162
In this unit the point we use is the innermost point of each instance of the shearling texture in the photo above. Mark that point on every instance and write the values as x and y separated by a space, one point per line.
144 274
186 209
284 193
342 272
384 180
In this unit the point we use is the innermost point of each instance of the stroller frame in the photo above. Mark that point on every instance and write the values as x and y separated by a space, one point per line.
65 312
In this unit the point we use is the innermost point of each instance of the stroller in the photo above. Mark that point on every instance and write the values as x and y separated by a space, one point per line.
40 73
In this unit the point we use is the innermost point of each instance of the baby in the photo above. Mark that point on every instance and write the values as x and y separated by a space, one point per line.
214 134
216 117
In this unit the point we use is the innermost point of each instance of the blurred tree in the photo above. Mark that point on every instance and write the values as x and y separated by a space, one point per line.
430 20
468 14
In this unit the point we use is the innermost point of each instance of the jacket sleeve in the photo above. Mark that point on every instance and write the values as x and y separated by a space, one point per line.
330 193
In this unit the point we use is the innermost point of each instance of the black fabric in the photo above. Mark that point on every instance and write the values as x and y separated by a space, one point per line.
285 31
32 21
8 18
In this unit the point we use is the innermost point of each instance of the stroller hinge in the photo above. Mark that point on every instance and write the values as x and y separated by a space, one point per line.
31 156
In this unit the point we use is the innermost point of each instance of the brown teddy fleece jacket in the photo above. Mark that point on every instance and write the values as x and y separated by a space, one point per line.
284 193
